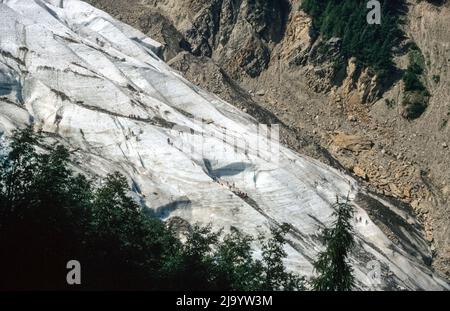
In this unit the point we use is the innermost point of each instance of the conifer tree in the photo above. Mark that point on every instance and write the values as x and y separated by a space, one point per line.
335 272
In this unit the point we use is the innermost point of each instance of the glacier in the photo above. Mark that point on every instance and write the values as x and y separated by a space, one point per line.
97 85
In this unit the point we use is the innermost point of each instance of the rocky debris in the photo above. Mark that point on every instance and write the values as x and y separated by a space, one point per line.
359 172
261 93
352 118
353 143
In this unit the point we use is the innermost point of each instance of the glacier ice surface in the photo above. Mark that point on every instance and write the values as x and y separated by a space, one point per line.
97 85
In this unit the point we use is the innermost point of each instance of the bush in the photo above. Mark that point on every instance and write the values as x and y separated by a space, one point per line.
416 95
414 104
372 45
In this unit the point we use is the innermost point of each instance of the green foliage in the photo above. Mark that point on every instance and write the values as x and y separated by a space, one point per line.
436 78
414 104
42 207
208 262
235 265
390 103
275 276
412 81
415 69
372 45
335 273
49 216
416 95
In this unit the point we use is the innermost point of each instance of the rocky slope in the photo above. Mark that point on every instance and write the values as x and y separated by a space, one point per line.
267 54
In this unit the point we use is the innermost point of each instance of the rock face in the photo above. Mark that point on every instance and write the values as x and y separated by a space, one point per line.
97 86
217 27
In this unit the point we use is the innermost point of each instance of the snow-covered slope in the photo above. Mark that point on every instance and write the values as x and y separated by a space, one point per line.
96 85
